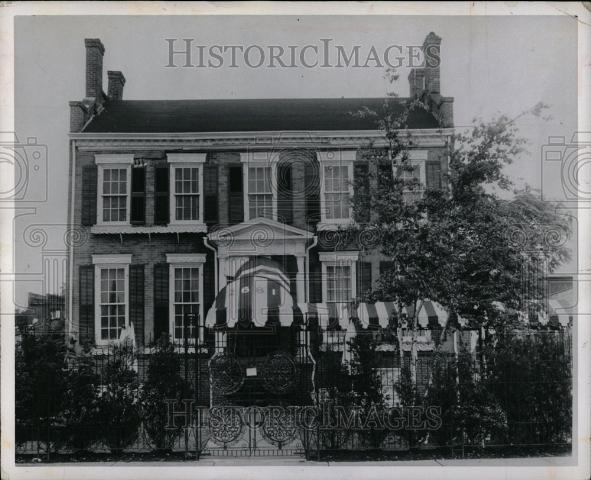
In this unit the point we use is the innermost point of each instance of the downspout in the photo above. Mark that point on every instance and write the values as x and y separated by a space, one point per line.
215 263
312 245
69 315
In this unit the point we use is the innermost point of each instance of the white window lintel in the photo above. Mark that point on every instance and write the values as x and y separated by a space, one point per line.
114 158
188 158
185 258
108 259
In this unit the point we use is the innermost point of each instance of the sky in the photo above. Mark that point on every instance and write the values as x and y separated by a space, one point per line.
490 65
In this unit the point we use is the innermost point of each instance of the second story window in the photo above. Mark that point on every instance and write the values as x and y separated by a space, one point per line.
260 195
186 193
186 185
114 180
114 195
336 187
260 192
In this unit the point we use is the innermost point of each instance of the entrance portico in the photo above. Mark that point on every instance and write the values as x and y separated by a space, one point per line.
261 237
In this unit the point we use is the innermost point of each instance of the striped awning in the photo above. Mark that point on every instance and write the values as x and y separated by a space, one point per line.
429 314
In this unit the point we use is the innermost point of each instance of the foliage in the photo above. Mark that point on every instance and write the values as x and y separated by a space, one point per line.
81 408
117 406
530 375
40 383
163 382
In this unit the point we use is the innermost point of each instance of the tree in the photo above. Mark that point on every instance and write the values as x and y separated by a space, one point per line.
455 242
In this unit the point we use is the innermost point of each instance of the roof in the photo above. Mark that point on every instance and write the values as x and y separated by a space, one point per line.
256 115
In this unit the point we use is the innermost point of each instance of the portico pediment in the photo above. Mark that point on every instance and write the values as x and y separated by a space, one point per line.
262 228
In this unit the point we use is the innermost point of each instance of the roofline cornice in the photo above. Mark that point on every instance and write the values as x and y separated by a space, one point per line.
252 140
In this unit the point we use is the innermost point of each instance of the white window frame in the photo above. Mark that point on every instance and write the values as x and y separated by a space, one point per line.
102 262
185 160
184 260
346 259
259 159
331 158
113 161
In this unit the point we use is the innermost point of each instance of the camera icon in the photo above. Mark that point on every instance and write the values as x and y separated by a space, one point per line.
566 168
29 161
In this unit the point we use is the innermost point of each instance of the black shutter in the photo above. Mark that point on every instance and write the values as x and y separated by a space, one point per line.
161 196
385 174
89 192
86 313
312 190
433 174
136 301
315 280
363 279
210 194
235 195
160 300
361 183
138 196
284 194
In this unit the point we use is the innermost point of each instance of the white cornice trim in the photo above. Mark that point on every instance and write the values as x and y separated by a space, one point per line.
339 256
119 259
196 258
186 157
113 158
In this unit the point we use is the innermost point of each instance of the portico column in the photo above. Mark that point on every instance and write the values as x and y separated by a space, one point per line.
223 271
300 280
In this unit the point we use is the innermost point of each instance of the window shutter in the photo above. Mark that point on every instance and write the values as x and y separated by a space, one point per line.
161 196
138 196
89 192
312 190
361 184
433 175
86 313
210 193
315 280
284 194
363 278
385 174
235 195
136 301
160 300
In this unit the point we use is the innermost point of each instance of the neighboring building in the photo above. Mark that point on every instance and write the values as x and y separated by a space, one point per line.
44 314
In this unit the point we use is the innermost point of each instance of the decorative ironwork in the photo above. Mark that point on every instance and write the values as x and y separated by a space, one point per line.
279 427
226 374
225 425
279 373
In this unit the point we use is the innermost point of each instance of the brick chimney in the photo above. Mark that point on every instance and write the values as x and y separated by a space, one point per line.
432 54
94 68
116 83
427 78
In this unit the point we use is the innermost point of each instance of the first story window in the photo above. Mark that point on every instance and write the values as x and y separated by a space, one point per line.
338 283
185 301
113 317
339 273
112 296
185 295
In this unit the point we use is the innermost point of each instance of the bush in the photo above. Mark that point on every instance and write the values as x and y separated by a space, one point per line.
117 405
163 382
81 409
